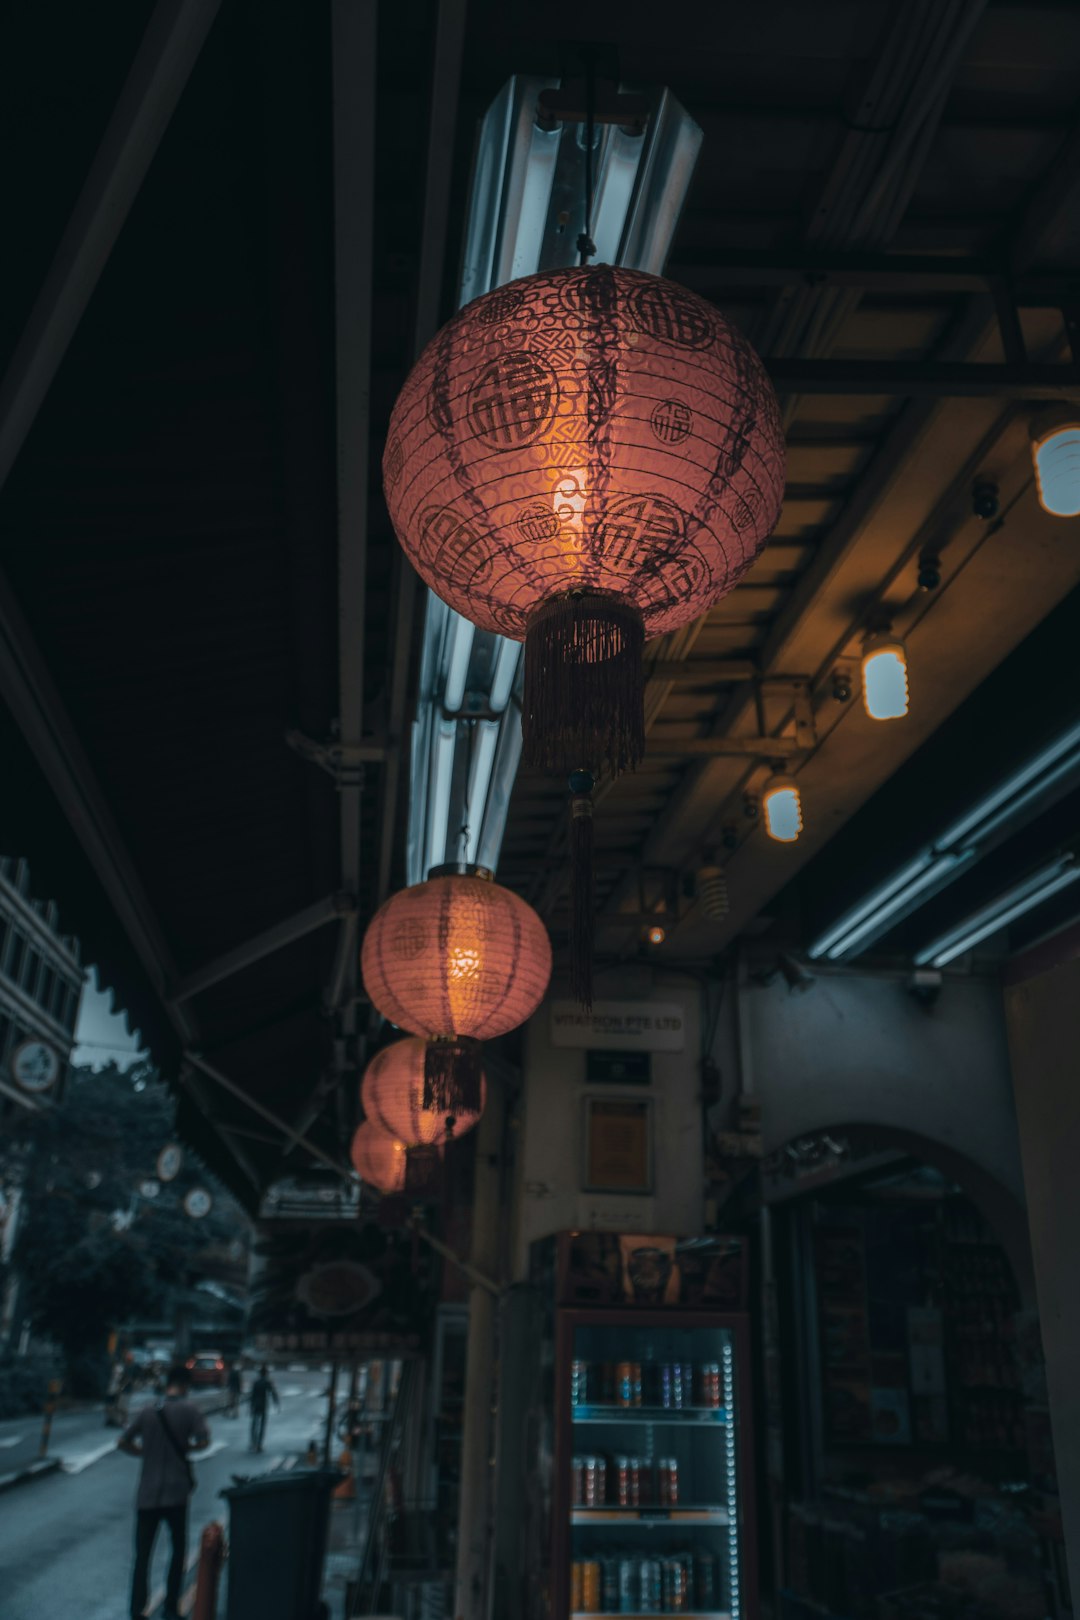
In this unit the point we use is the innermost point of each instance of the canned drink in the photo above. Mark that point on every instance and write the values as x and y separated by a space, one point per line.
579 1383
633 1481
622 1481
663 1384
636 1388
629 1585
591 1587
675 1586
577 1596
710 1384
680 1393
706 1586
651 1586
624 1383
667 1481
577 1480
611 1585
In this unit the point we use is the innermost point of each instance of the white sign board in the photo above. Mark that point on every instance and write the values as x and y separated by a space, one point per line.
620 1026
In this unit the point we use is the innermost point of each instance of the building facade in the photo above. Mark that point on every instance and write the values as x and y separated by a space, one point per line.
41 981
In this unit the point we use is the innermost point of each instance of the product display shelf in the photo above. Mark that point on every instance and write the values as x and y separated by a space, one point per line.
658 1415
651 1614
649 1517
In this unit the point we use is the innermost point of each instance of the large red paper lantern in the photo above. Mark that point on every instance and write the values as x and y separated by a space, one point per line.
392 1094
581 459
457 959
379 1158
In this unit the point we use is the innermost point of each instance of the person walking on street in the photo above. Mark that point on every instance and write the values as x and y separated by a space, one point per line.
162 1436
261 1391
236 1389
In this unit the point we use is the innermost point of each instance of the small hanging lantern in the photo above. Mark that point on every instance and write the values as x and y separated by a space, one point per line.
392 1095
884 676
459 960
379 1158
1055 452
580 460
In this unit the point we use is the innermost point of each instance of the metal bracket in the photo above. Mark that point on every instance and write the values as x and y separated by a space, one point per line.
344 761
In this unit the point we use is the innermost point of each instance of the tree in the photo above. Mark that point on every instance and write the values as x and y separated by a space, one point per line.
93 1251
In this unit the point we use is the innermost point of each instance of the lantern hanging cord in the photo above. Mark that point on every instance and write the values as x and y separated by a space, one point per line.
585 245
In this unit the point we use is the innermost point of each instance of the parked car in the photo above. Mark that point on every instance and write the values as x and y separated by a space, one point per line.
208 1367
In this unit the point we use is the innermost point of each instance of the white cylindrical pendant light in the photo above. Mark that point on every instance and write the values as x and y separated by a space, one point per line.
1055 450
782 805
884 677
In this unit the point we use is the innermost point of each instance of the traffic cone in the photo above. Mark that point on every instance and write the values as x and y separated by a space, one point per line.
346 1491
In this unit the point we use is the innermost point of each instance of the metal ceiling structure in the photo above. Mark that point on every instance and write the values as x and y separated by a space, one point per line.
235 226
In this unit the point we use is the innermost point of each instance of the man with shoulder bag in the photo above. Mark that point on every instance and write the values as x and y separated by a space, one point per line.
164 1435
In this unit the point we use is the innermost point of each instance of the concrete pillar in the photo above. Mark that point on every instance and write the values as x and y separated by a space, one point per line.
472 1586
1043 1016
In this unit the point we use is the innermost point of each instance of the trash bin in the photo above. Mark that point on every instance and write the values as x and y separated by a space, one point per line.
277 1543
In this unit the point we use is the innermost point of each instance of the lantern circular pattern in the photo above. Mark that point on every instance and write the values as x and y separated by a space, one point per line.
579 459
392 1095
379 1158
457 955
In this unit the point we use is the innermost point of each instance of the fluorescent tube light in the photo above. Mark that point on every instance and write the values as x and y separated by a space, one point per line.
504 672
485 738
442 776
942 869
1011 789
507 759
459 642
989 919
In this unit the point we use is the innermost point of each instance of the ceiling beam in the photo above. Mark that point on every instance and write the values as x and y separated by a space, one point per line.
910 274
926 379
163 62
443 101
301 923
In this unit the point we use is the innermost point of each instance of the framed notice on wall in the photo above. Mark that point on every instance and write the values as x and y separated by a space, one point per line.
618 1145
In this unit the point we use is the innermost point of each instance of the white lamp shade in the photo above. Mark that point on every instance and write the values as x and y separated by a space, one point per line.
884 680
1055 450
782 804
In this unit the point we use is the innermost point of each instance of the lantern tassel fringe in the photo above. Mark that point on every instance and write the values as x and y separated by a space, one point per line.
584 692
453 1076
582 905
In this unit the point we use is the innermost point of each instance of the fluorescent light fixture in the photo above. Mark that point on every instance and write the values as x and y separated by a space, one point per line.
1055 450
941 870
1018 790
504 672
620 158
459 643
958 847
664 175
442 776
782 804
507 759
884 678
510 197
485 738
990 919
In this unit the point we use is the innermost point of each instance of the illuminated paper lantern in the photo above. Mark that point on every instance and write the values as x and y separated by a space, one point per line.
379 1158
392 1095
459 960
579 460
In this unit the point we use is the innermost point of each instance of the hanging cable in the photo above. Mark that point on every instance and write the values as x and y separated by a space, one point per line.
585 245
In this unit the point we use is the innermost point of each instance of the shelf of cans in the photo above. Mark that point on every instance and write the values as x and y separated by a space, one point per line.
629 1482
661 1386
686 1583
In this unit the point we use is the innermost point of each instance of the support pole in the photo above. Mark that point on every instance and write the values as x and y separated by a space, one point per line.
472 1587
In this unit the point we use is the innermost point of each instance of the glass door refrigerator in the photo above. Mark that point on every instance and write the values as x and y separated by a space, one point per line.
651 1508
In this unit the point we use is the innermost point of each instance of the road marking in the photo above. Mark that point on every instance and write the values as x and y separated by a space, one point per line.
11 1440
212 1449
75 1465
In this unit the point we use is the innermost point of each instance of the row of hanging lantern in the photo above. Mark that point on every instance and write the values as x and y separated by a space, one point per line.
454 961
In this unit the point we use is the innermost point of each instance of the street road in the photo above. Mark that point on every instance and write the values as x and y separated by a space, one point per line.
66 1539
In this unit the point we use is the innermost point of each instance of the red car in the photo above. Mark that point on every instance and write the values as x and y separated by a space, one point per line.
208 1367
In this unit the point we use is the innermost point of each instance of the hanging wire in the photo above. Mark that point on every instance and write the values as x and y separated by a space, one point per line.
585 245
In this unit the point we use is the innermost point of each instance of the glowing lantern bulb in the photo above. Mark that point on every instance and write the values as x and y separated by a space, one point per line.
884 678
1055 450
656 935
782 804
